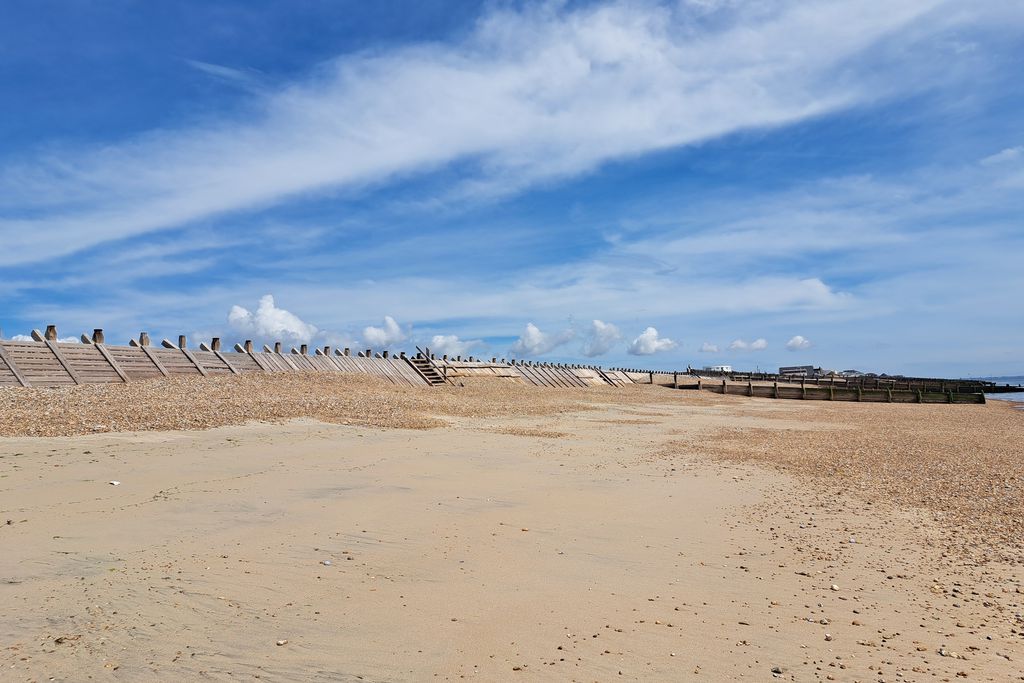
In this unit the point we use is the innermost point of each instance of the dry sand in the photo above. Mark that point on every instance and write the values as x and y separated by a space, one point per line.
551 535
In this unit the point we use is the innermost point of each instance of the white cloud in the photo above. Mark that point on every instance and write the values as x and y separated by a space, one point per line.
600 339
62 340
451 345
533 342
708 347
1004 156
545 92
389 334
270 323
798 343
756 345
649 343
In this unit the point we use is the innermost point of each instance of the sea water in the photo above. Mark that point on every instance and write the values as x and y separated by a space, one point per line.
1015 396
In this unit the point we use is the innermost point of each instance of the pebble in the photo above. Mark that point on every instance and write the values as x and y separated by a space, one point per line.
282 642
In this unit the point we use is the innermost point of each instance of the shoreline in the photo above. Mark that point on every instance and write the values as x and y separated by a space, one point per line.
657 533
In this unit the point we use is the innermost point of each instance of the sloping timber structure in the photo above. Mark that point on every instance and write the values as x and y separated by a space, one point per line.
46 362
522 372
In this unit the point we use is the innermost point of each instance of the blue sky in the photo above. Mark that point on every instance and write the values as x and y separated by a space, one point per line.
640 183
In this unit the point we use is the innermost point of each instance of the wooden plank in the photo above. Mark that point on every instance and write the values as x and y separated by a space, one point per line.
102 348
63 361
258 362
232 368
199 366
156 361
14 368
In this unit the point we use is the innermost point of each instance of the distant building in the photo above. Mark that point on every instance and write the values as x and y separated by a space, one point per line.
718 368
799 371
852 373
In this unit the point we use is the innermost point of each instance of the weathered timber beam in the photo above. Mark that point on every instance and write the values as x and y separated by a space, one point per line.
52 345
14 368
107 357
153 358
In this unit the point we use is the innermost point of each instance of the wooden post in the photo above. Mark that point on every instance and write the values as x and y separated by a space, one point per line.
277 347
215 344
51 333
725 388
368 354
143 338
920 395
675 380
385 354
188 354
248 345
348 351
651 377
775 389
750 388
304 349
97 335
14 368
149 354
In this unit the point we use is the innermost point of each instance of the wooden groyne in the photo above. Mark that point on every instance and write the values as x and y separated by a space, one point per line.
46 362
942 391
901 383
837 393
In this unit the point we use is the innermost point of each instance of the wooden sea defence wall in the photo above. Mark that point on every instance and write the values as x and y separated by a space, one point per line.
838 393
808 390
928 384
525 372
46 362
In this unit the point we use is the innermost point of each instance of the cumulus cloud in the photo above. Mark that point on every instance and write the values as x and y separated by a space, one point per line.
756 345
62 340
708 347
533 342
600 339
389 334
451 345
649 343
798 343
546 91
270 323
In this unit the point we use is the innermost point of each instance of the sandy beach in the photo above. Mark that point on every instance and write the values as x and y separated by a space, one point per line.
340 529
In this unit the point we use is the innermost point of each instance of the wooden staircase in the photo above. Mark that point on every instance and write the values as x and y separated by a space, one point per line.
422 364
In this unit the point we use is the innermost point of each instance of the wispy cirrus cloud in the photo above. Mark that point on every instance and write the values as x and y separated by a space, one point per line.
529 95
